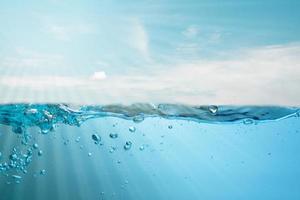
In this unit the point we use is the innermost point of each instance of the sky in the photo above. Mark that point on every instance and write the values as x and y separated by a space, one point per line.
163 51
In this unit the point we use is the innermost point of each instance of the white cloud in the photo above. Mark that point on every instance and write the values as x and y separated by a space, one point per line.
59 32
100 75
215 37
265 75
139 38
27 58
41 82
191 31
65 32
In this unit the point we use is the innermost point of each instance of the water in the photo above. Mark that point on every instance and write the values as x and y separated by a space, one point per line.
147 151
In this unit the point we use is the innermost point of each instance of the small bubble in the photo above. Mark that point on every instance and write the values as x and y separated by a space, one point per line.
89 154
127 145
45 131
132 129
77 139
138 119
66 142
18 129
43 172
13 157
40 153
35 146
248 121
113 135
16 176
48 115
213 109
142 148
96 138
32 111
119 161
112 149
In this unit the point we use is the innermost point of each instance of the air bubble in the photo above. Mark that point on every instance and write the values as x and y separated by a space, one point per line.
112 149
18 129
45 131
127 145
77 139
213 109
35 146
32 111
66 142
13 157
132 129
43 172
96 138
40 153
113 135
138 119
16 176
248 121
142 148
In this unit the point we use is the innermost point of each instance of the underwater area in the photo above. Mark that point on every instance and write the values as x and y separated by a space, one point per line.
147 151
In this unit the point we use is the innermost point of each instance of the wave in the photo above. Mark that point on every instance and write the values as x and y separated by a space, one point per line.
46 116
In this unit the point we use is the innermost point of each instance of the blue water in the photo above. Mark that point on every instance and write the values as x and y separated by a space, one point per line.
146 151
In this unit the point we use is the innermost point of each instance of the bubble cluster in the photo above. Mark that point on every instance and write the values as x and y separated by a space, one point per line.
17 163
